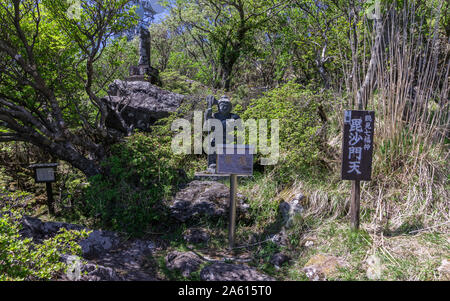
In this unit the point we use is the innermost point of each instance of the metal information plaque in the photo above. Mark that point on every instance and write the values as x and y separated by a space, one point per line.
357 145
45 175
235 159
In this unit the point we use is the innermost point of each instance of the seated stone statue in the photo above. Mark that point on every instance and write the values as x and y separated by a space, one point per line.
224 105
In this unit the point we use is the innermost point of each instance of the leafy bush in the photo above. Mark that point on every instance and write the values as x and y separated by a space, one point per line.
175 82
22 259
296 110
140 173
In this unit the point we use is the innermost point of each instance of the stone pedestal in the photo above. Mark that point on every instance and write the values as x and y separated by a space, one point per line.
144 73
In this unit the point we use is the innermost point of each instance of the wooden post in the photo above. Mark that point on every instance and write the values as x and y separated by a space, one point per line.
232 221
355 204
51 209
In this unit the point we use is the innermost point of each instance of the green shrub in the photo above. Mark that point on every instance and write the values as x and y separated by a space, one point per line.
140 173
175 82
22 259
296 110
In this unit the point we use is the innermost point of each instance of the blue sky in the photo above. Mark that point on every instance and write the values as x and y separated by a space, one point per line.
162 12
160 17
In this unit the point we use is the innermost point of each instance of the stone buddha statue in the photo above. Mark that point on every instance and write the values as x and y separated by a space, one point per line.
225 107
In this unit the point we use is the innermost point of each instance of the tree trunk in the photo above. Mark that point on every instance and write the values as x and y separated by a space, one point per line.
361 97
323 74
354 47
68 153
226 78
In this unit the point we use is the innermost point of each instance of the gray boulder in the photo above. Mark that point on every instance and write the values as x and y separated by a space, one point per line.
145 104
204 198
232 272
99 273
130 261
79 271
279 259
94 246
38 230
196 236
99 243
185 262
291 210
281 238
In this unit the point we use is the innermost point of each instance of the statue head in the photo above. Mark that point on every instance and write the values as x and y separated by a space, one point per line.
225 105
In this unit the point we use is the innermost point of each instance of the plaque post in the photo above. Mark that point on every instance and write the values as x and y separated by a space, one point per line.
51 208
355 204
232 161
232 222
45 173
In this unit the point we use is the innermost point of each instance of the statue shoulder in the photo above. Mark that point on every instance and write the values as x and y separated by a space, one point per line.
235 116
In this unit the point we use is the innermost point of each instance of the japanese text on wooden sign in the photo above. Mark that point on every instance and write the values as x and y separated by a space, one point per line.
235 159
357 145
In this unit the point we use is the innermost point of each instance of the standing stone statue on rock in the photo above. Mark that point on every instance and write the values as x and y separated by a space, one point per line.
144 46
144 71
224 105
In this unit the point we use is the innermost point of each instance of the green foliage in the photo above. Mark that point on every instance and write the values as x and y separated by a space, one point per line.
264 254
299 122
140 173
175 82
22 259
221 31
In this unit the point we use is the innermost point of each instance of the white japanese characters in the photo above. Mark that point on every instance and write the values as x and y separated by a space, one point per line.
355 152
357 145
367 132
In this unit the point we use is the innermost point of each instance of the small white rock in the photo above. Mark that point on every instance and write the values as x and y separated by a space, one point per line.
374 269
309 243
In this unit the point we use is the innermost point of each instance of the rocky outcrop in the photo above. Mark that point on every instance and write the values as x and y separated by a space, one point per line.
95 245
131 261
144 104
232 272
184 262
105 257
204 199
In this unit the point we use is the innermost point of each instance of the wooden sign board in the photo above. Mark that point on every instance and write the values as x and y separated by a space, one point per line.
45 172
357 145
45 175
234 159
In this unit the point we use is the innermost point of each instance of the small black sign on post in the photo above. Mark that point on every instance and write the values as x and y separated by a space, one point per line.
357 151
45 173
234 160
